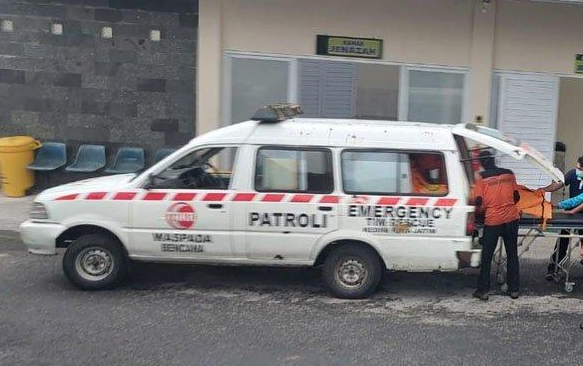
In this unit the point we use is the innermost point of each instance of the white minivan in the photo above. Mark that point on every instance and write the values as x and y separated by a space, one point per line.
355 197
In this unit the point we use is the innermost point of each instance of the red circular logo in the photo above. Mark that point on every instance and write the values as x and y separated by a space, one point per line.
181 216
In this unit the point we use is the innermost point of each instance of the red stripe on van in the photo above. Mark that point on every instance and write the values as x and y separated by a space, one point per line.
214 197
124 196
330 199
69 197
184 196
446 202
417 201
154 196
273 197
244 197
302 198
388 201
95 196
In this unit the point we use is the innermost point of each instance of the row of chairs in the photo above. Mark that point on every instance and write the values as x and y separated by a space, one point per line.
91 158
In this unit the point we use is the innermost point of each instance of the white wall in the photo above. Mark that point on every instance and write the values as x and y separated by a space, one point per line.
514 35
570 123
538 36
416 31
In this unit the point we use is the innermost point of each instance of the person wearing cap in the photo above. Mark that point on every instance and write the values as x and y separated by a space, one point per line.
495 196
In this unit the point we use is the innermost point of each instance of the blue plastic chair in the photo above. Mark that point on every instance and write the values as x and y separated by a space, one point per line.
51 156
127 160
90 158
162 153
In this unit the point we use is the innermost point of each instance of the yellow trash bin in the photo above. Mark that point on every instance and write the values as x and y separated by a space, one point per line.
16 152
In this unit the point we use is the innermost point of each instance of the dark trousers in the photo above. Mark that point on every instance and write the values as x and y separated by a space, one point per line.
561 250
509 233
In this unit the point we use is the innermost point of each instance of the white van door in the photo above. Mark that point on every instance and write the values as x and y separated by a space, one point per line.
184 214
511 147
412 203
294 204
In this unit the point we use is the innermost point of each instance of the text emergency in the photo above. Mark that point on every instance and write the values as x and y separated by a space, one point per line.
281 219
399 219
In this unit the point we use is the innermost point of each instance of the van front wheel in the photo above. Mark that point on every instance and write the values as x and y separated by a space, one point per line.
94 262
352 271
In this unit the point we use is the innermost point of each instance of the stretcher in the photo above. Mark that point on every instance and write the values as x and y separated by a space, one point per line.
562 225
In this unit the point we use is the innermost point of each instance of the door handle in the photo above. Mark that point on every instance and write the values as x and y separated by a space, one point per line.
325 208
215 206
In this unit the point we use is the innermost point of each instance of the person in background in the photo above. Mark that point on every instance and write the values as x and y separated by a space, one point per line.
574 180
495 195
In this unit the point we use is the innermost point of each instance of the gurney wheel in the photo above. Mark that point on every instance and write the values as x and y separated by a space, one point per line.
557 278
504 287
500 279
568 287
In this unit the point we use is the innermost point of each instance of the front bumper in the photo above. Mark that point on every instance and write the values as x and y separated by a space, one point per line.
40 237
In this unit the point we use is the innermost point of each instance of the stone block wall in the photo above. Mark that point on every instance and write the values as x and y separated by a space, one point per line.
79 87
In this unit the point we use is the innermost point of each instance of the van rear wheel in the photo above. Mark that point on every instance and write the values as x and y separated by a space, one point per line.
95 262
352 271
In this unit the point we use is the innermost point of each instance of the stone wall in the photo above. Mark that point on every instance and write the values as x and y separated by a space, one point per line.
79 87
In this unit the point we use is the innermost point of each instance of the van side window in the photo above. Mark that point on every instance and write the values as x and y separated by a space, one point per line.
294 170
392 172
207 168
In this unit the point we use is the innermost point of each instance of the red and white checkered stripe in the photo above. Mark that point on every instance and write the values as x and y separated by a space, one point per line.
259 197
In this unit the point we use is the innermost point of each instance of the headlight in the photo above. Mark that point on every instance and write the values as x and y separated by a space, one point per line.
38 212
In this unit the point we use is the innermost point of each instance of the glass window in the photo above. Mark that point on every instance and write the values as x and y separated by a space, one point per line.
435 97
294 170
390 172
377 91
254 83
209 168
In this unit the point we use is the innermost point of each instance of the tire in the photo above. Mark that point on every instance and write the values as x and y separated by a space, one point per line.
352 271
95 262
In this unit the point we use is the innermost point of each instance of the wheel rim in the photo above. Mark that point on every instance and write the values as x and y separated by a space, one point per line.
94 264
351 273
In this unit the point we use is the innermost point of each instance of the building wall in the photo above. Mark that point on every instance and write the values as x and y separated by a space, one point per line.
538 36
510 35
570 122
415 31
80 88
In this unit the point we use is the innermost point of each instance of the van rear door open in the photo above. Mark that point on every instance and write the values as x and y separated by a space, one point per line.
508 146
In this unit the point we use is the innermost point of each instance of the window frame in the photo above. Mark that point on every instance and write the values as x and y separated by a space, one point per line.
329 158
194 149
227 84
404 89
394 151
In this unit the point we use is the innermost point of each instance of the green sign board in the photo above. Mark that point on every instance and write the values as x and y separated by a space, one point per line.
349 47
579 64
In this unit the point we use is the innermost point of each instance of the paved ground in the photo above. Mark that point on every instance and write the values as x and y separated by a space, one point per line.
198 315
13 211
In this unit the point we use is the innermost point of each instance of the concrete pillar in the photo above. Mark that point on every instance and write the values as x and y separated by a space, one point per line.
482 61
210 51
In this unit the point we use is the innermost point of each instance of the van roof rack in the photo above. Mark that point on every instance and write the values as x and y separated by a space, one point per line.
279 112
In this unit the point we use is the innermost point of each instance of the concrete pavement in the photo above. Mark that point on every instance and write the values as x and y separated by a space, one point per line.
202 315
13 211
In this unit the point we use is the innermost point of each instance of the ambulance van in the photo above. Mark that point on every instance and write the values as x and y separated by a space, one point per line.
353 197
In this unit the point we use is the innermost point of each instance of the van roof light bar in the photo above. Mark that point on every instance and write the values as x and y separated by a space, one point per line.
272 113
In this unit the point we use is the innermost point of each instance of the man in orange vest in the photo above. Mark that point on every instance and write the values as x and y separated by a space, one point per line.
495 195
